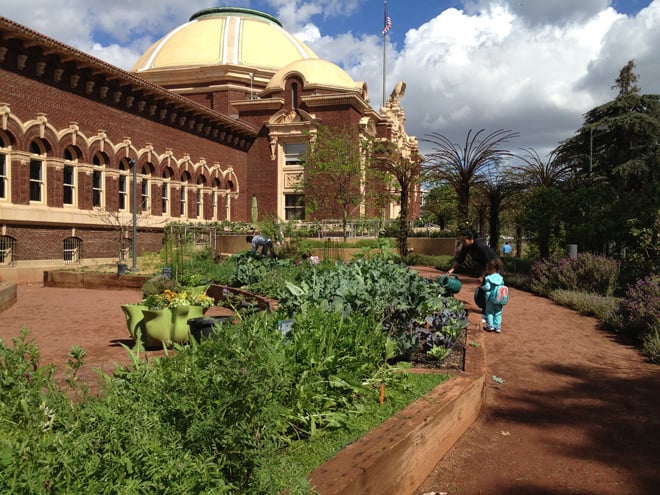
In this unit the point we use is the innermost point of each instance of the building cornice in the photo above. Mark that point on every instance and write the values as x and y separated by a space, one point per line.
317 101
34 55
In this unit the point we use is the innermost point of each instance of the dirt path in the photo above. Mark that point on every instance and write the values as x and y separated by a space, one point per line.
578 411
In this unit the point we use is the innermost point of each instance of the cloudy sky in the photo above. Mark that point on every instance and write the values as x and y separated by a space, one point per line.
531 66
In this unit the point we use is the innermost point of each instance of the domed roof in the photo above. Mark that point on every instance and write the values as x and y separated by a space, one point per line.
315 72
225 36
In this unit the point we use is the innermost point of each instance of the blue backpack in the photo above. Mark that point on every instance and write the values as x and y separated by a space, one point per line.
500 295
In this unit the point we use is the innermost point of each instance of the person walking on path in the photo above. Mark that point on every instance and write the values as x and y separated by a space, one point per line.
491 284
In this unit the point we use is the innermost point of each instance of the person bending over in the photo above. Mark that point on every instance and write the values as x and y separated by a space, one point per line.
265 243
479 252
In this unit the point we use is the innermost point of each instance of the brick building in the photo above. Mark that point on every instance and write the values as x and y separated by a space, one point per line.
217 112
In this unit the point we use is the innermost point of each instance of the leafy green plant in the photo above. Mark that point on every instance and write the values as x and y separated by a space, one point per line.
439 352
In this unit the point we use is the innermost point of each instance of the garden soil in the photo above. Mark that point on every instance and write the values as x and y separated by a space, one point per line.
577 410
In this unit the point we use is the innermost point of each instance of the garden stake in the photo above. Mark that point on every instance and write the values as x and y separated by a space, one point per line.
382 394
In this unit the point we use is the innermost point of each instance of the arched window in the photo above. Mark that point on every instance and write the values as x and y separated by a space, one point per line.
201 182
99 161
4 168
7 250
214 198
165 191
69 176
37 172
185 180
122 185
294 95
145 188
72 250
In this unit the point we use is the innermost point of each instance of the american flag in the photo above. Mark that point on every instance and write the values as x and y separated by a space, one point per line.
388 22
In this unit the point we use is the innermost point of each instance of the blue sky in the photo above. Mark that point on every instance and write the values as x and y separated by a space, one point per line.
531 66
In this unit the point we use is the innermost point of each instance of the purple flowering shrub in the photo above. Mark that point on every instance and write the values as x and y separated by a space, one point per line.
640 308
587 273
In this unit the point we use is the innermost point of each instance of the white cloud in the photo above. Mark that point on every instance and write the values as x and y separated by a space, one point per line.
495 69
533 66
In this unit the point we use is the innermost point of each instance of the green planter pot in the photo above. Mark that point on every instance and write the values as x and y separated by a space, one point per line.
180 317
134 319
157 327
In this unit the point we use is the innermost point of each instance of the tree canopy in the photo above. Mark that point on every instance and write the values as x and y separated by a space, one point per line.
462 166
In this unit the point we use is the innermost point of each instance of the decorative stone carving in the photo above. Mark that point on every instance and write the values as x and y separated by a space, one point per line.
273 147
292 180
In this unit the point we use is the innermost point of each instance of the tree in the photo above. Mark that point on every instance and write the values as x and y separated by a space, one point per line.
497 186
439 206
460 167
543 182
616 155
406 170
626 82
122 224
334 173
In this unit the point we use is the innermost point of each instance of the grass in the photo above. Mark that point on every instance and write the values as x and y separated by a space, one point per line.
302 457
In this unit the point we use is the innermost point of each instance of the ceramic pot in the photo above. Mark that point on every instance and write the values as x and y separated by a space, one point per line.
180 317
157 327
134 319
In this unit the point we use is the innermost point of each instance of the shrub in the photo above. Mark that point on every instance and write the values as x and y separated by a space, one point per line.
587 303
588 273
158 285
651 344
640 308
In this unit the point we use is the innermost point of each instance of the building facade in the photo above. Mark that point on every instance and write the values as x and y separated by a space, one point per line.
214 116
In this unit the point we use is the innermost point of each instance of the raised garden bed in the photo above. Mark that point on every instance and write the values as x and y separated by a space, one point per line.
395 458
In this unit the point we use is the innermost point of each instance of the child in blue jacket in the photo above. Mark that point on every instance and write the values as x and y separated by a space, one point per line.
493 311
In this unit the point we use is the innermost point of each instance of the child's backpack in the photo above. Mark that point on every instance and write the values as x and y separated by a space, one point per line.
500 295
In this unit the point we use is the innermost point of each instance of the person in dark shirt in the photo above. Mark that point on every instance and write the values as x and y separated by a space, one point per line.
479 252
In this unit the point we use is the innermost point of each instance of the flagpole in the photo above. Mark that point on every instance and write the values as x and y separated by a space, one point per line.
384 46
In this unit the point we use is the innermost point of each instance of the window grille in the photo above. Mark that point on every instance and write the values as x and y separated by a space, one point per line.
72 250
7 250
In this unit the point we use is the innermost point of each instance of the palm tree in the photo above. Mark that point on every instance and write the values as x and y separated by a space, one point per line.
542 181
497 185
460 167
536 172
